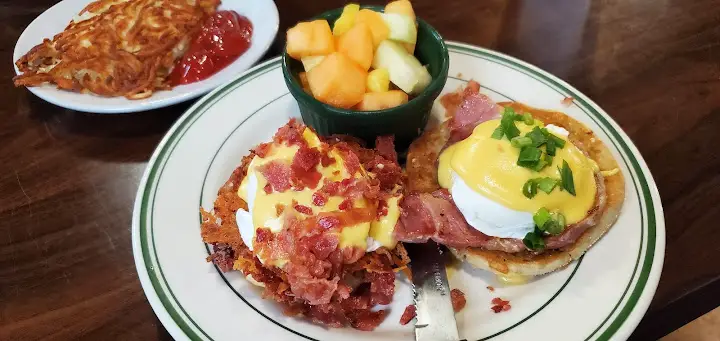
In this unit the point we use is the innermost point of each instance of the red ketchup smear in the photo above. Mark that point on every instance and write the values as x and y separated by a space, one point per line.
223 38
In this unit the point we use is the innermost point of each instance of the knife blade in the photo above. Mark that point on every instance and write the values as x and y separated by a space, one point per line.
435 315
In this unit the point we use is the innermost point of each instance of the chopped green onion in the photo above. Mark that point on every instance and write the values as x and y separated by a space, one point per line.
498 133
521 141
540 165
538 138
549 159
566 178
546 184
528 119
508 123
560 218
529 157
560 143
529 189
542 216
534 241
550 147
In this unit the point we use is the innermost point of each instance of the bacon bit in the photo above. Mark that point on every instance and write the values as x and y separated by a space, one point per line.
305 159
328 222
337 172
291 133
385 147
408 315
303 209
277 175
279 209
382 208
567 101
263 235
319 199
500 305
326 160
262 149
350 159
345 205
458 299
490 288
267 188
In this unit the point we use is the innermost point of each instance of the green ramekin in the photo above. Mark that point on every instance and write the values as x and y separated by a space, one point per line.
406 121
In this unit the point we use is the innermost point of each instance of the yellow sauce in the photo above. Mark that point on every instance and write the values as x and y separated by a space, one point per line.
489 167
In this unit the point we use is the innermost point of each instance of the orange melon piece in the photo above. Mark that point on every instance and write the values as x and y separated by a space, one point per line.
377 25
312 38
337 81
357 43
304 82
382 100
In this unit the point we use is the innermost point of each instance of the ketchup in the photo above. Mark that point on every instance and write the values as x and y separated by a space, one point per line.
223 38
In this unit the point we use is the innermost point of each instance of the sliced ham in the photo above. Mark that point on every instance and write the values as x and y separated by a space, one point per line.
474 108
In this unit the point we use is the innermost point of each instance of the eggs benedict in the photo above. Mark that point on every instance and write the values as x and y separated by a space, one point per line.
509 188
311 220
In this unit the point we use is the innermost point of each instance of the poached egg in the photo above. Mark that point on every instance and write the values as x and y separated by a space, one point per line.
486 182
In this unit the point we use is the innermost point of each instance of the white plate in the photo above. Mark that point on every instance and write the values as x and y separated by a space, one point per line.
600 297
262 13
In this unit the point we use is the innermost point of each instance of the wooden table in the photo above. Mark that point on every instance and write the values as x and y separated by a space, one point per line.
68 179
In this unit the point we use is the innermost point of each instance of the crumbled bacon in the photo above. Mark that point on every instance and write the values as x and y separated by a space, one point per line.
328 222
319 199
500 305
458 299
267 188
345 205
303 209
277 175
279 209
567 101
303 166
382 209
314 281
223 256
385 147
408 315
490 288
262 149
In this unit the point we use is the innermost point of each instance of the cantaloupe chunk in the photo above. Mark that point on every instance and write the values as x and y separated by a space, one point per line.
337 81
346 20
382 100
377 25
403 7
312 38
357 43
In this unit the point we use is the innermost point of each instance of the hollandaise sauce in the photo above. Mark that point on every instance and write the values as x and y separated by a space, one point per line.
490 167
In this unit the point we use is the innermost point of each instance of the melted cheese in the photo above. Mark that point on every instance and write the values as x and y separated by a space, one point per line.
489 167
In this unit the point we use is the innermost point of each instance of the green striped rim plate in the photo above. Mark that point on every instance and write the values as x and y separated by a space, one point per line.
602 296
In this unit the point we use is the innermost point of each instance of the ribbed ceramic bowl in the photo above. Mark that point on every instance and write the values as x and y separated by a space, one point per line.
406 121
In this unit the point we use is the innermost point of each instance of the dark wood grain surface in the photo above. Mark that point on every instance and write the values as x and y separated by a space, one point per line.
68 179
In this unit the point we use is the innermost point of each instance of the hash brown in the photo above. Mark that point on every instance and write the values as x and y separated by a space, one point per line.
117 47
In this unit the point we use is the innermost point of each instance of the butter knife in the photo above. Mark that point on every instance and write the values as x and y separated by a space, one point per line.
435 315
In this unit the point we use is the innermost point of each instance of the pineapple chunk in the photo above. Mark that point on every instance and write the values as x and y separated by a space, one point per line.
346 20
382 100
338 81
312 38
357 43
378 80
377 25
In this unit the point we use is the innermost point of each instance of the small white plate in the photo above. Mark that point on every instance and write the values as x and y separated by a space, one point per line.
262 13
602 296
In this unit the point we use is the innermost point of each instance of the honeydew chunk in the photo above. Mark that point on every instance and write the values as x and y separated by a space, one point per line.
401 27
337 81
405 70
